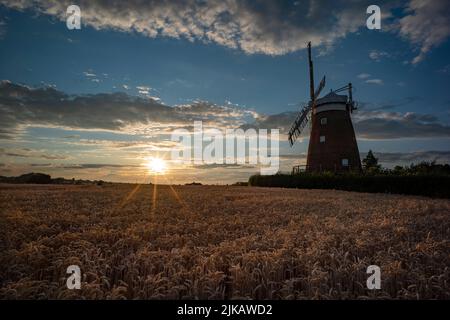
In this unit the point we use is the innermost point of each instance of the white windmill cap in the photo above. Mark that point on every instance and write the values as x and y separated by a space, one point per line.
332 98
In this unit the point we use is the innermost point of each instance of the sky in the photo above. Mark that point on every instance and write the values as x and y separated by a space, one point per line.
99 102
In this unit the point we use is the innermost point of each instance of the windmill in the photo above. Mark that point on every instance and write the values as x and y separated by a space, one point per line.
332 143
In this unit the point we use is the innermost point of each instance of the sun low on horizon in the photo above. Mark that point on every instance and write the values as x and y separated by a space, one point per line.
156 165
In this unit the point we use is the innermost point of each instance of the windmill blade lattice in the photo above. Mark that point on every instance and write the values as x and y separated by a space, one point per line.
299 123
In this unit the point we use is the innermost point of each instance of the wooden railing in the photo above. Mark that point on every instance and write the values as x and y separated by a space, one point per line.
298 169
302 168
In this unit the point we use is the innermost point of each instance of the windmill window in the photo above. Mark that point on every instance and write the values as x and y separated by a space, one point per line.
323 121
345 162
322 139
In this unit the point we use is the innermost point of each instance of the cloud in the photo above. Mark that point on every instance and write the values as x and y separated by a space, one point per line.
426 25
264 26
378 55
445 69
391 104
72 136
374 81
398 158
148 145
282 121
83 166
363 75
223 166
28 153
89 74
97 166
158 99
143 90
374 123
396 125
367 79
22 106
2 28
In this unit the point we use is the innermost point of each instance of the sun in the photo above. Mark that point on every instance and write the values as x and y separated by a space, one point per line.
156 165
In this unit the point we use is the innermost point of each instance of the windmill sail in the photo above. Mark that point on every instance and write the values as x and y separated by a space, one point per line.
319 88
299 123
311 73
302 118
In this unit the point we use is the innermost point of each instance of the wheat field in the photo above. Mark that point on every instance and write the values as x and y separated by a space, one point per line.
219 242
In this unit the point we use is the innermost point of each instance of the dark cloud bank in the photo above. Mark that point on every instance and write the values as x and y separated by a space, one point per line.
22 106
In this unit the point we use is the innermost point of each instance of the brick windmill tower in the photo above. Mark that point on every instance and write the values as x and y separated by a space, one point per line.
332 143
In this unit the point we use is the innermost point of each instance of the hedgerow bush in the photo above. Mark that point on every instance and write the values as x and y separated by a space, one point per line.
412 184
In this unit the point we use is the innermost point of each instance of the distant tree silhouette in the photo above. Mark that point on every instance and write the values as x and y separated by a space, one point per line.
38 178
370 163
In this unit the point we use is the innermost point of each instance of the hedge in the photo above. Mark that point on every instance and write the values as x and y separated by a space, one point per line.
424 185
